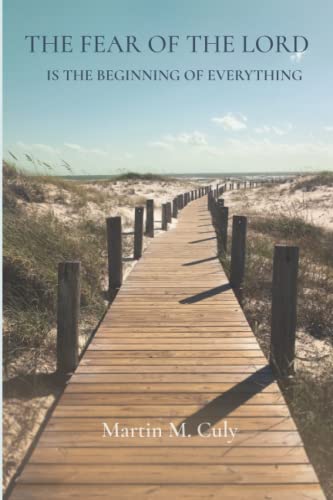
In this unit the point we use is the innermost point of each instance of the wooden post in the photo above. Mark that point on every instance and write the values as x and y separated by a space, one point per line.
222 226
68 313
138 232
180 201
284 307
210 201
175 208
220 202
238 251
169 212
164 217
114 241
150 218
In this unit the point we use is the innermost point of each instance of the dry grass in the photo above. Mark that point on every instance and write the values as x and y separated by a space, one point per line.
310 183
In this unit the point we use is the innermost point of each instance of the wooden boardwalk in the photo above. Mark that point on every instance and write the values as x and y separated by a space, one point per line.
174 347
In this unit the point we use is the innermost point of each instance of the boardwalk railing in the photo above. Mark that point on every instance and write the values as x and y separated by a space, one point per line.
284 280
68 292
69 272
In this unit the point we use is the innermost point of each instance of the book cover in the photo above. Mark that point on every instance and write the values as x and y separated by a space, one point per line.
167 249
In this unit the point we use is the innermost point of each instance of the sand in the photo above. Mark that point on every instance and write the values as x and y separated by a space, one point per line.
315 207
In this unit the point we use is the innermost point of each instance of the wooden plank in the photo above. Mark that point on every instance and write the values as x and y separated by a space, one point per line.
146 455
158 346
156 474
169 398
245 424
152 411
160 369
174 387
197 353
138 362
95 439
90 378
165 492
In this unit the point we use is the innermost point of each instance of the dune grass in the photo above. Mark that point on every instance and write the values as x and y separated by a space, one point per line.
135 176
34 243
310 183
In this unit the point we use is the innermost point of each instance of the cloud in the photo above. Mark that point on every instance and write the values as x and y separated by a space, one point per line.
269 149
193 139
80 149
266 129
159 145
169 141
231 121
38 148
328 128
297 58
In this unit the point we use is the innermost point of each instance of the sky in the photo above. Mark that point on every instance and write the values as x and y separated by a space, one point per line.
107 127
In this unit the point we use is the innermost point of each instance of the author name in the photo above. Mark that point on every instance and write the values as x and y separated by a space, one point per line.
204 430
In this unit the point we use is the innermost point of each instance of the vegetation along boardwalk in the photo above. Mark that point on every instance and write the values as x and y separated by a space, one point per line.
174 354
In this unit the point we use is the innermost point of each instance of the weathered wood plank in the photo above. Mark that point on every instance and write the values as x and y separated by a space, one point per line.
165 492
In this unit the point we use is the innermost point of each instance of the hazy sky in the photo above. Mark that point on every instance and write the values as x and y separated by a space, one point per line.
102 127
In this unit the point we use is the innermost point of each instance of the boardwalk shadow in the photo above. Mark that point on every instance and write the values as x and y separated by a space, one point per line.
220 407
206 294
201 241
195 262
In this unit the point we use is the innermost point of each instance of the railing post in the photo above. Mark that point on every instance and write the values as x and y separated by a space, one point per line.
284 307
164 217
175 208
114 241
138 232
222 228
169 212
68 313
150 218
238 252
209 201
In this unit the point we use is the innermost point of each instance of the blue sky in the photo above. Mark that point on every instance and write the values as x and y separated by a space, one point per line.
101 127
